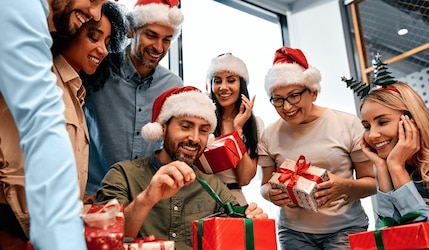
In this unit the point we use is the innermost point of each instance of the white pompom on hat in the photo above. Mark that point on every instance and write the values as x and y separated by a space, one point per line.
227 62
165 12
290 67
177 102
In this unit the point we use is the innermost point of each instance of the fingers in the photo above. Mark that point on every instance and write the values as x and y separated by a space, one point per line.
253 211
175 174
247 103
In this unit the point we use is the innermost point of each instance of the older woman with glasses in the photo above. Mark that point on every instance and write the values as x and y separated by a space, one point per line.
328 139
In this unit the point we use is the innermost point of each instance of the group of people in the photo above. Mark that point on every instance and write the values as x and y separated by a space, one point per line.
95 117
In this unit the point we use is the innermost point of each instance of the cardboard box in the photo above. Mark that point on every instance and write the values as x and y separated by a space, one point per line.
223 153
104 226
220 233
299 180
403 237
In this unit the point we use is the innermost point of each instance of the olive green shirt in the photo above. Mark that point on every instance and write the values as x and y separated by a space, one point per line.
171 218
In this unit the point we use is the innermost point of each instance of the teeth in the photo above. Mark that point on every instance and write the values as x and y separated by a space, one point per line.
292 113
154 55
381 144
95 60
189 148
80 17
225 95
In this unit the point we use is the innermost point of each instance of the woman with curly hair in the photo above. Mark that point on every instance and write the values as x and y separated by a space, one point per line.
396 140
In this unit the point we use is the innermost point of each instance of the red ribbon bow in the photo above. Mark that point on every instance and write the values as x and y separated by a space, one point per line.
300 167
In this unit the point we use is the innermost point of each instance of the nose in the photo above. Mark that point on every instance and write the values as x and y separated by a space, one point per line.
373 134
102 49
194 136
223 85
95 11
157 45
286 105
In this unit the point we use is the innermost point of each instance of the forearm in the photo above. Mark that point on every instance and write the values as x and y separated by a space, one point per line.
399 176
246 169
384 181
360 188
135 214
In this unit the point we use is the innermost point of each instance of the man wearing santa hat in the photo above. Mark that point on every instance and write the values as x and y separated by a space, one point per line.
122 91
152 188
329 139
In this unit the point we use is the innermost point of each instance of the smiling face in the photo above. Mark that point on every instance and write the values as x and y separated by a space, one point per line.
89 48
185 138
151 44
381 127
66 17
226 88
300 112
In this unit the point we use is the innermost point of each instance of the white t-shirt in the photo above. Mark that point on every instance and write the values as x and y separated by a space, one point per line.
332 142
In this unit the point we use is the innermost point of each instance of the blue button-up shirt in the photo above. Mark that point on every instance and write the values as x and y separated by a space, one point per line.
28 87
117 112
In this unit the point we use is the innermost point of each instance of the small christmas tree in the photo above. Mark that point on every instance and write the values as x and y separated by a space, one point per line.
382 76
359 88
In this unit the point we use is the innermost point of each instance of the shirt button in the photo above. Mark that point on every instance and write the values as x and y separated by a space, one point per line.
176 208
174 235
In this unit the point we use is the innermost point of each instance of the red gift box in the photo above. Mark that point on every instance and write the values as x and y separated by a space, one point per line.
223 153
217 233
104 226
403 237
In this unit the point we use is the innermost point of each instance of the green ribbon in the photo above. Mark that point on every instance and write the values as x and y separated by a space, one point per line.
390 222
248 230
231 211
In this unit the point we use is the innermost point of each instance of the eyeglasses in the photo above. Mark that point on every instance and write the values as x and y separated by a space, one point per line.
292 99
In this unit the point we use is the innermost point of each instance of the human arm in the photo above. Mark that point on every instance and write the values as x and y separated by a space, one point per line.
246 168
275 195
166 182
255 212
30 92
353 189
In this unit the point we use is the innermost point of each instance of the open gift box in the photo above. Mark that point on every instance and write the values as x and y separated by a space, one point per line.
219 233
150 243
104 226
299 180
222 153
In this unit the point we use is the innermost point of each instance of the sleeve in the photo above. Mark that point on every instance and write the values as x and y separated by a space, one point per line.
29 89
114 186
401 201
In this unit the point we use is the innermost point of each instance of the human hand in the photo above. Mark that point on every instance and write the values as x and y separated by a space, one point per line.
330 190
253 211
371 154
168 180
408 143
279 197
244 112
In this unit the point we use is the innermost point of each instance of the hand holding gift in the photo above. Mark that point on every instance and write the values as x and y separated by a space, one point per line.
299 179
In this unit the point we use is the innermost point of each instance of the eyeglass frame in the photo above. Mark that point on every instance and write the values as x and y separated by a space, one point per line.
286 98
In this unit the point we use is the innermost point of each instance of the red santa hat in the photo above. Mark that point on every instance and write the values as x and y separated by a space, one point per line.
230 63
165 12
290 67
177 102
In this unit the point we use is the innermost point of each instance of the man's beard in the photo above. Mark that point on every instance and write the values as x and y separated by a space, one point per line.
169 147
61 18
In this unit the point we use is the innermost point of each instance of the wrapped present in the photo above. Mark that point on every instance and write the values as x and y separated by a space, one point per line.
104 226
217 233
222 153
399 237
299 180
150 243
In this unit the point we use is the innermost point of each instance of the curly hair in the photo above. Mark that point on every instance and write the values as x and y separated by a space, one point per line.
408 102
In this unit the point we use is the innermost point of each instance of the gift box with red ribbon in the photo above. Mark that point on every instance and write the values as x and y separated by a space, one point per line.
222 153
299 180
150 243
219 233
104 226
401 237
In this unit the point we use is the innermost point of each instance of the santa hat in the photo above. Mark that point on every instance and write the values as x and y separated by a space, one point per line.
290 67
177 102
165 12
230 63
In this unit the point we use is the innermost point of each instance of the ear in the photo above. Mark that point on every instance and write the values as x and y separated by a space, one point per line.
314 94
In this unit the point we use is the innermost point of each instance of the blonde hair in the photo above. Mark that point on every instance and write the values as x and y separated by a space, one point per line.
408 101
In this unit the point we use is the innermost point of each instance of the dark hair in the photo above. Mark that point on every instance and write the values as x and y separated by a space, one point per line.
249 128
117 16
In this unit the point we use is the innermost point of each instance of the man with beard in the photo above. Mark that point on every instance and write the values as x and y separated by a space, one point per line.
159 192
121 93
31 101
